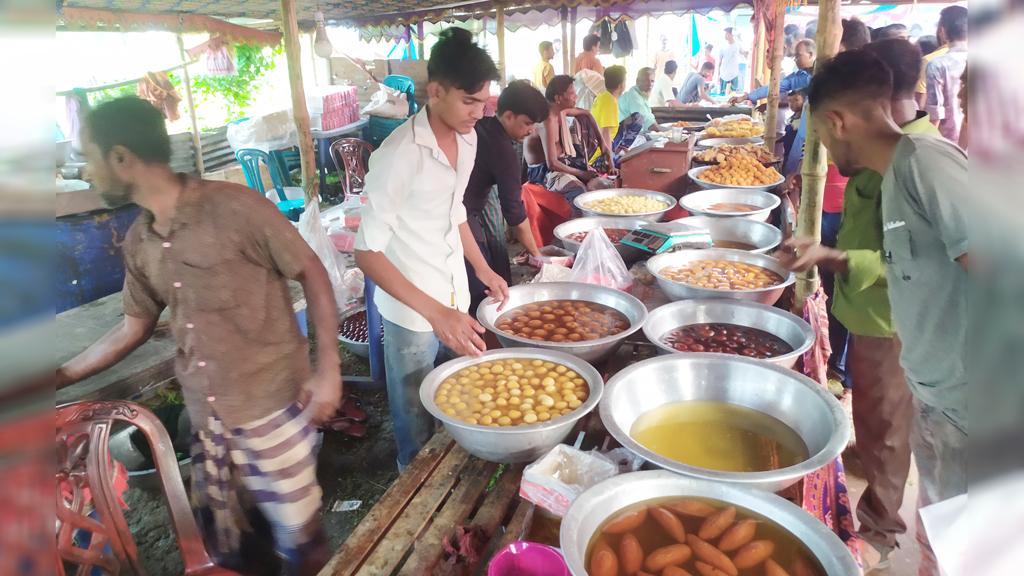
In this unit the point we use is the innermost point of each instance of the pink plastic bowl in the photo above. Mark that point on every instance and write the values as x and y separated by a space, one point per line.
528 559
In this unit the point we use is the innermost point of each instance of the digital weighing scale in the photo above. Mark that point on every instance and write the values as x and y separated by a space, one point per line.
659 237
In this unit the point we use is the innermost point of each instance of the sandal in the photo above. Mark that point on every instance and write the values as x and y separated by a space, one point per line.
346 426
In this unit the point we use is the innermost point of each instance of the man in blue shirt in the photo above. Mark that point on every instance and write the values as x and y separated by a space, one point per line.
804 55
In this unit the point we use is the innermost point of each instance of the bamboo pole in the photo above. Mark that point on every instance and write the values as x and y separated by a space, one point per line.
196 142
499 23
293 54
567 56
419 41
775 79
815 162
572 41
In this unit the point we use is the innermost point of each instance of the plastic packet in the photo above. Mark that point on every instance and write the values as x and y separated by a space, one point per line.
597 262
312 231
557 479
551 255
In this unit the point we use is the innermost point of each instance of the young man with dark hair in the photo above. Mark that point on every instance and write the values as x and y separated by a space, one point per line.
415 234
520 108
943 73
694 90
855 35
635 101
219 255
898 31
919 237
543 72
606 106
587 60
663 92
551 158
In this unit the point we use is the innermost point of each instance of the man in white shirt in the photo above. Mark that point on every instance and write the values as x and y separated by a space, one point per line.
661 93
729 63
414 233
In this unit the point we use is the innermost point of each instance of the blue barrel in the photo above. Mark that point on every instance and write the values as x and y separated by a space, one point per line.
90 264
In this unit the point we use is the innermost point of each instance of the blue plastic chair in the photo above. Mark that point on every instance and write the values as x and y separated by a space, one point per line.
250 159
405 85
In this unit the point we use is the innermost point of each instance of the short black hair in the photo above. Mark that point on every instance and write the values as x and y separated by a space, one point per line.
133 123
707 66
811 30
614 77
708 46
928 44
856 75
953 19
791 30
520 97
589 41
891 31
855 34
904 61
456 60
557 87
544 46
671 67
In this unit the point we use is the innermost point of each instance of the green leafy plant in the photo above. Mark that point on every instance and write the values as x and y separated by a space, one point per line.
237 91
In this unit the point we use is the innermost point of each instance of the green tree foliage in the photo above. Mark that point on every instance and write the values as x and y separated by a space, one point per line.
237 91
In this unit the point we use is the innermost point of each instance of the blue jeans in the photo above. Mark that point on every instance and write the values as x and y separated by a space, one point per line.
408 357
734 84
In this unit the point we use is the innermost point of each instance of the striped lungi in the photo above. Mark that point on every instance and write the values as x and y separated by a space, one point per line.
269 464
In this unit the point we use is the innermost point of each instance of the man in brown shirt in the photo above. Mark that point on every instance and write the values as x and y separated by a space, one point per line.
587 60
218 255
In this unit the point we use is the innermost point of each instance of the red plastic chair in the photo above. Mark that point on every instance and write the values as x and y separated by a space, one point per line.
351 155
84 472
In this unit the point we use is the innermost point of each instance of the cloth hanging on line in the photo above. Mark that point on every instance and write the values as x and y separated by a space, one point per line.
156 88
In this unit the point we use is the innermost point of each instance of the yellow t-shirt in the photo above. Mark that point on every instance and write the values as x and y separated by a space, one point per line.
606 112
922 83
543 72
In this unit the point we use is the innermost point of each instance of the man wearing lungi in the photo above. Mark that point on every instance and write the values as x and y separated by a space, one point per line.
218 255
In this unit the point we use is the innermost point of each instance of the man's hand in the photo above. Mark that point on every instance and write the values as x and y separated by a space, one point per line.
802 254
497 287
737 99
458 331
322 393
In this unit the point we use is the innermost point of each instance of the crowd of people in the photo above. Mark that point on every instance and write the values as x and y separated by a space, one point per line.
216 254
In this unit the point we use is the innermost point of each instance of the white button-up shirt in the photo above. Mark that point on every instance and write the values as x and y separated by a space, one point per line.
412 215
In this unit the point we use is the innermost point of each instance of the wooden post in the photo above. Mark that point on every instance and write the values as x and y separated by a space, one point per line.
572 40
499 23
757 60
770 123
419 41
815 163
293 53
567 56
196 142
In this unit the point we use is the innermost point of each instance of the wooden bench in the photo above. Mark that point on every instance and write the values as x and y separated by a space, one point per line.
444 488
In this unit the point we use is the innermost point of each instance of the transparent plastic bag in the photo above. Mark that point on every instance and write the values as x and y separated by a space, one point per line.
312 231
597 262
558 478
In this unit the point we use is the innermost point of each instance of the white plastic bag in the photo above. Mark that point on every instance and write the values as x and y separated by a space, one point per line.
388 103
269 132
554 481
312 231
597 262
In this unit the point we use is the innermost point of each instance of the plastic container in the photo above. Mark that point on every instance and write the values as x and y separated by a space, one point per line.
528 559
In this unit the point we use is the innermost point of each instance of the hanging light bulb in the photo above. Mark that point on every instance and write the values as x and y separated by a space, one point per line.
321 43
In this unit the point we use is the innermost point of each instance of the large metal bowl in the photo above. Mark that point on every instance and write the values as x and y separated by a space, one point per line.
695 175
583 199
679 291
563 230
763 236
697 203
592 508
511 444
792 329
594 351
712 142
361 349
794 399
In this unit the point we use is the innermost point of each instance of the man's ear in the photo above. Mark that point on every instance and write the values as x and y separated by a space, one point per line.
435 91
120 158
836 121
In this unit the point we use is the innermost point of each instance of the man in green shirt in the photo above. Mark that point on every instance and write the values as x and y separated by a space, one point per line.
882 402
903 241
634 100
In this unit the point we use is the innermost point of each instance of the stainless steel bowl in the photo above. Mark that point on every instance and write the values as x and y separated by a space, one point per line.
794 399
679 291
712 142
592 508
697 203
510 444
361 349
563 230
763 236
792 329
695 173
594 351
656 216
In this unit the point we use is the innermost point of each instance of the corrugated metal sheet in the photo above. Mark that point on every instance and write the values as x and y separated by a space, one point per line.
217 152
